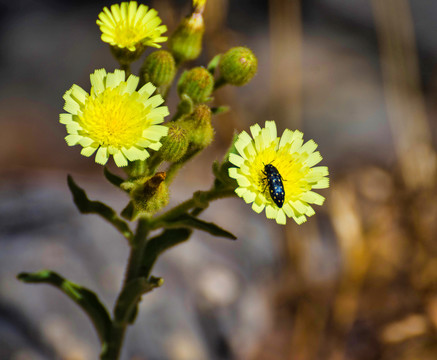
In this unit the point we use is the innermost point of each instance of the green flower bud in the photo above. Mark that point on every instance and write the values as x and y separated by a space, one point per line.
238 66
159 68
125 56
149 194
197 83
198 126
175 144
186 42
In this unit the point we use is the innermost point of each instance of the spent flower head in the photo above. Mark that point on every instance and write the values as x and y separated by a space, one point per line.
114 118
294 161
130 26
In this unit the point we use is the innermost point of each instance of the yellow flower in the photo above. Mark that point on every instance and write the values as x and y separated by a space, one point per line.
295 163
114 119
130 26
199 4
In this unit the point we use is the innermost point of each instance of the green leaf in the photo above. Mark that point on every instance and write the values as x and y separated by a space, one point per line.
86 299
220 110
113 178
195 223
87 206
157 245
214 63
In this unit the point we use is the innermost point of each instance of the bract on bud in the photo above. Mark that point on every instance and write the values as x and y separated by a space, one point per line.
124 56
238 66
175 144
198 126
197 83
150 194
159 68
186 41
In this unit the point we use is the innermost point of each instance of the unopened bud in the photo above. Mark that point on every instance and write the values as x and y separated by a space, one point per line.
197 83
186 41
198 126
159 68
148 194
175 144
238 66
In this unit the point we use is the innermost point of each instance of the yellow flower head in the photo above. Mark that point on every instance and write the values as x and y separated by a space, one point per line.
130 26
294 161
114 119
199 4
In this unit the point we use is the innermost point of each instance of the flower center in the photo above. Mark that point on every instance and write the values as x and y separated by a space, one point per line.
289 166
114 119
126 35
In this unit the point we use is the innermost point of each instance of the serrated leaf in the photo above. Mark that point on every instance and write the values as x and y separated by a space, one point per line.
87 206
86 299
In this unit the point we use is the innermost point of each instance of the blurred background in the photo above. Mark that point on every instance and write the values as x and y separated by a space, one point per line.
357 281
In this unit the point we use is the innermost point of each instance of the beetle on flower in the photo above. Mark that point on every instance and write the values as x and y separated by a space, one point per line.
294 162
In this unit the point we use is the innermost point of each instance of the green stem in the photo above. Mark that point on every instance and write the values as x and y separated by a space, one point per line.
139 243
112 346
111 349
219 83
126 68
172 171
136 168
153 162
140 264
200 199
175 167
